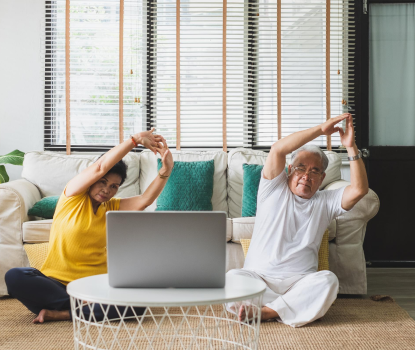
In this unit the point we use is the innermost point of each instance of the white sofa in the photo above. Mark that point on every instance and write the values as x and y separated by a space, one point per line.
46 173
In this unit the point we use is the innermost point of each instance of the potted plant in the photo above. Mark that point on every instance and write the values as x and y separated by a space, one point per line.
16 158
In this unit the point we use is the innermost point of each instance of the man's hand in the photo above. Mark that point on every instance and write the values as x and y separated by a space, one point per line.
329 127
166 157
148 140
347 137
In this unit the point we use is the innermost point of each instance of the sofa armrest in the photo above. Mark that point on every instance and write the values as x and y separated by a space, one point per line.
347 259
16 197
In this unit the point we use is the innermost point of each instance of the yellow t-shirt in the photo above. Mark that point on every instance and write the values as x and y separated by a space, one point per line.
77 243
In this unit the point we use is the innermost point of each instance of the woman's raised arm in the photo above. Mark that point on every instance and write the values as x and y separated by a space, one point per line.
94 172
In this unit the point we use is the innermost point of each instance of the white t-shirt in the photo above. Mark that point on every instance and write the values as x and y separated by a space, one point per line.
289 229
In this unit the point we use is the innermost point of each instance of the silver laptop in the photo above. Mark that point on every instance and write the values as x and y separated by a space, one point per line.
166 249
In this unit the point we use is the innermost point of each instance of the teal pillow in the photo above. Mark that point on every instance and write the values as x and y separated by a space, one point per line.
45 208
189 187
251 178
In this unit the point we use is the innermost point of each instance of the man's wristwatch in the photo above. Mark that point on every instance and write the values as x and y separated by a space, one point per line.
356 157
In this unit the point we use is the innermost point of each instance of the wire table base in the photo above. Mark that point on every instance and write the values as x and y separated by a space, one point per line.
179 327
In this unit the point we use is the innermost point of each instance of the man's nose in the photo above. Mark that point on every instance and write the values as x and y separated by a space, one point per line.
307 175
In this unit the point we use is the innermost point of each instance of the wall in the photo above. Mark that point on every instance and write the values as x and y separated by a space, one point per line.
21 82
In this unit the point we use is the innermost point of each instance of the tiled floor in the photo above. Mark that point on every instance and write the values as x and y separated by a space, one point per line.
399 283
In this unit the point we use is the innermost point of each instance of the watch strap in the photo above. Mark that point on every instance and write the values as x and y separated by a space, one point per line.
356 157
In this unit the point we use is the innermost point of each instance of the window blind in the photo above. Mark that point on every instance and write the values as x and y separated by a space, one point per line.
82 68
289 66
205 73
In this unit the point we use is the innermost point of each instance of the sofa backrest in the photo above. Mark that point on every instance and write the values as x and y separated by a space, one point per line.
51 171
239 156
148 166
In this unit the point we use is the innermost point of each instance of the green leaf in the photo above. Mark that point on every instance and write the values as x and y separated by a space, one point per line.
16 158
3 174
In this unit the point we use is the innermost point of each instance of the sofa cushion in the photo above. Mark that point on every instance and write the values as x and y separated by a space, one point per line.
36 231
242 228
39 231
45 208
148 172
251 178
239 156
36 253
51 171
189 187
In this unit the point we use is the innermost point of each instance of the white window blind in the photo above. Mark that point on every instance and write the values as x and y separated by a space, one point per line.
205 73
94 68
260 108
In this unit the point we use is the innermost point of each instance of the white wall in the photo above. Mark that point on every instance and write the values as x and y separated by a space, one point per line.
21 80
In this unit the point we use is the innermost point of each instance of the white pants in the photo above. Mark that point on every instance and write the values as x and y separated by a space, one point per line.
298 300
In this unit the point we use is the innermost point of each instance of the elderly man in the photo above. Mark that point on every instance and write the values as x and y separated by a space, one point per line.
292 216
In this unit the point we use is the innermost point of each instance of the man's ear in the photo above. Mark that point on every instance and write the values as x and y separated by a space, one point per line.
322 178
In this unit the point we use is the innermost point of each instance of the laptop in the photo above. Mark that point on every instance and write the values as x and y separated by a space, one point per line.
166 249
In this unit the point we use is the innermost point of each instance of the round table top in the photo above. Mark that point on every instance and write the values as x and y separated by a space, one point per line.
97 289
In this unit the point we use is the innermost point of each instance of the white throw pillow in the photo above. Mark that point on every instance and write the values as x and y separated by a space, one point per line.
51 171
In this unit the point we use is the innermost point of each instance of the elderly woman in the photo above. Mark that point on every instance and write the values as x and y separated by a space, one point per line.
77 246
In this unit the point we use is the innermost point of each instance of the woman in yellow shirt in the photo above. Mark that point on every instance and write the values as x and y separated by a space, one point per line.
77 245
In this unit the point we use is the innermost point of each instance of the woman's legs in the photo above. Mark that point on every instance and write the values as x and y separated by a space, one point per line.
36 291
112 312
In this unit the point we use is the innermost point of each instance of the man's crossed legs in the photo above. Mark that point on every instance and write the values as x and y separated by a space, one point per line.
296 301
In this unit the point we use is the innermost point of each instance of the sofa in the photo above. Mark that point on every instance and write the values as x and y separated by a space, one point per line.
46 174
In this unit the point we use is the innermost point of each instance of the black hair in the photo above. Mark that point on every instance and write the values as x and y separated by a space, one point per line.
120 169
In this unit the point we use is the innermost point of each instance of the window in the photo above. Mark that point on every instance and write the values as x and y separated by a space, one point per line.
94 66
240 72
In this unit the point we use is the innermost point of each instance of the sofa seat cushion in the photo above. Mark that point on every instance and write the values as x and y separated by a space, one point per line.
148 172
51 171
37 231
240 156
242 228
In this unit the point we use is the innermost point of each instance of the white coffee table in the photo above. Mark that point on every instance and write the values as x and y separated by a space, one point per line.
173 319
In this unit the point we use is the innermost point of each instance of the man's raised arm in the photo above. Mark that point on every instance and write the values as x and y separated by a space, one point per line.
359 185
275 163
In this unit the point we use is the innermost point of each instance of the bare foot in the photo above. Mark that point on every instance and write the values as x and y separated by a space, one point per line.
52 315
266 313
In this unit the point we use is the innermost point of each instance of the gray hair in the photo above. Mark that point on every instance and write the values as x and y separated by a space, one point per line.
312 149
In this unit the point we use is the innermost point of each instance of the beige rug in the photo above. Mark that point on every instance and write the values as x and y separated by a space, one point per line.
350 324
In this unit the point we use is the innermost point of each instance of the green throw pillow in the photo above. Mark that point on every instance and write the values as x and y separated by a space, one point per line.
189 187
251 178
45 208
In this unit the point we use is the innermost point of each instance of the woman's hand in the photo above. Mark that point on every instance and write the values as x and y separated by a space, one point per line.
148 139
166 157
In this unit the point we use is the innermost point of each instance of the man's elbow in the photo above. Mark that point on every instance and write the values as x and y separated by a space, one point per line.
277 148
360 193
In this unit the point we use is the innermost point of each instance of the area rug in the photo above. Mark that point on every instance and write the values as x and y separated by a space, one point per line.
350 324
